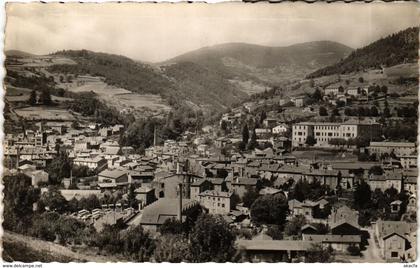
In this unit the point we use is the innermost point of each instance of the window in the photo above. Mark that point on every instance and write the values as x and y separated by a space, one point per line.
223 205
394 254
299 133
329 134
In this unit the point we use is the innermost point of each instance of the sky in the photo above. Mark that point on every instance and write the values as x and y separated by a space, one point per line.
157 32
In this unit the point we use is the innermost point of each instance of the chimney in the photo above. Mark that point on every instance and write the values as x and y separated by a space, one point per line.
17 157
179 214
154 137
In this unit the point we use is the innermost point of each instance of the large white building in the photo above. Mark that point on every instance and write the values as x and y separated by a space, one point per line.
323 132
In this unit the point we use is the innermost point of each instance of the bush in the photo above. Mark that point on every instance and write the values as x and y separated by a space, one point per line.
354 250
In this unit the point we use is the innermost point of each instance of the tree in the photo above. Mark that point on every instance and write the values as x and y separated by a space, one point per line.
323 111
361 80
32 98
317 95
54 200
223 126
59 168
387 112
362 195
275 232
310 140
211 240
131 198
319 254
137 244
376 170
374 111
68 229
294 226
171 226
45 97
19 197
245 134
336 112
172 248
253 141
269 209
250 196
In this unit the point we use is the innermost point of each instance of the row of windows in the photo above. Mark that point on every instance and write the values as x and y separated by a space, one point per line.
219 205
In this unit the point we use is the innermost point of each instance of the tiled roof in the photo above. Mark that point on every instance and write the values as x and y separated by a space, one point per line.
275 245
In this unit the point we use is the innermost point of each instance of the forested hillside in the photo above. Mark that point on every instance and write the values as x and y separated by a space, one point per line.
392 50
175 84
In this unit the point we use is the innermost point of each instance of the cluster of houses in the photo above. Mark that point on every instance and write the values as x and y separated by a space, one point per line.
178 178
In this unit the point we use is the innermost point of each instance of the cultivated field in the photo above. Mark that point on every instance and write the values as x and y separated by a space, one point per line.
44 113
19 94
122 99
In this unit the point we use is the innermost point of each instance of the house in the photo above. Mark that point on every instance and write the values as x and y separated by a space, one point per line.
408 161
155 214
345 227
343 213
98 163
309 229
298 101
269 122
216 202
396 206
331 90
38 176
222 142
273 250
324 132
412 204
198 187
305 208
240 185
396 148
113 178
396 239
394 247
339 243
280 129
145 195
390 179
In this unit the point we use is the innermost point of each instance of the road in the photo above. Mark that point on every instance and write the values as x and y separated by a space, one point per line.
372 252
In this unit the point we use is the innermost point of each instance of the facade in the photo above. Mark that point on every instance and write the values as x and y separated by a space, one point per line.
280 129
324 132
97 163
112 178
397 148
216 202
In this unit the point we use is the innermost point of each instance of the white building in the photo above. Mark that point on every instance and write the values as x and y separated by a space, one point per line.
323 132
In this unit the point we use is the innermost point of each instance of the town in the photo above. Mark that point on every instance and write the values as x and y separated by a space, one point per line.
320 170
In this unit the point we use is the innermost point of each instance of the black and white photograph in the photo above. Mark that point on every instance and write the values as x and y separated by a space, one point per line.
196 133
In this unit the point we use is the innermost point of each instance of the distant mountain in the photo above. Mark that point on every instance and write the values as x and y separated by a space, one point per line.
394 49
18 53
265 64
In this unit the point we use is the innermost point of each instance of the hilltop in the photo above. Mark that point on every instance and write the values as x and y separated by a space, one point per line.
263 64
397 48
18 53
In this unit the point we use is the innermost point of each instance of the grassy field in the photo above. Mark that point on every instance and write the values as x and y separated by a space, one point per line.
403 70
15 251
123 99
44 113
249 87
19 94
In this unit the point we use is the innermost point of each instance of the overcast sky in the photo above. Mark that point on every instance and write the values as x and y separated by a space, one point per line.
156 32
